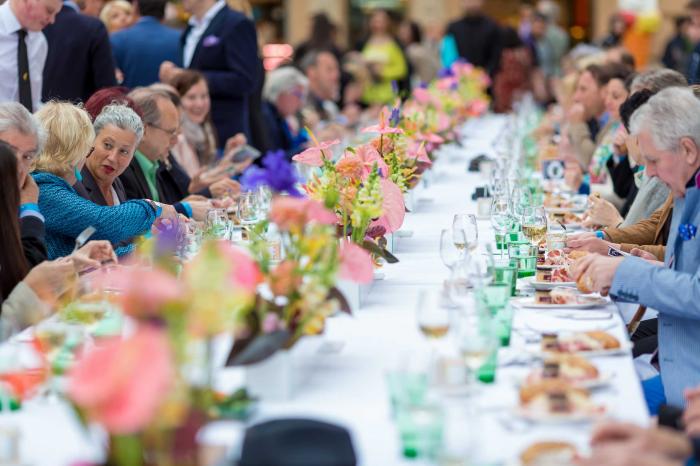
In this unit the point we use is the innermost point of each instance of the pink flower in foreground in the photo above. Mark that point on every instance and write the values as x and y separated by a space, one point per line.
293 212
478 107
355 263
314 155
430 137
144 290
422 95
393 207
383 126
245 272
120 384
369 156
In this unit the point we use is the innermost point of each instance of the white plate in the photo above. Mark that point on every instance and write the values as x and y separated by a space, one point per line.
625 347
546 286
603 380
571 418
529 302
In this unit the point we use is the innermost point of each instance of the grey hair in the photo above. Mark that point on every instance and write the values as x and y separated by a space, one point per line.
656 80
311 59
14 115
122 117
282 80
147 100
550 9
668 116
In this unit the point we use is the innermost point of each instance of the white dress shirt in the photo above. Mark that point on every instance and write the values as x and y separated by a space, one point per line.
37 49
197 31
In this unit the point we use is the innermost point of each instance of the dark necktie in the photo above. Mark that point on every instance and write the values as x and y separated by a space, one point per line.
25 88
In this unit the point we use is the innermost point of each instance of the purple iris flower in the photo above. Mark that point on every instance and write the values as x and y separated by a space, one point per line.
277 173
395 117
446 73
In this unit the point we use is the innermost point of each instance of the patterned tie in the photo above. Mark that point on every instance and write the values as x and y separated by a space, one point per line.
25 88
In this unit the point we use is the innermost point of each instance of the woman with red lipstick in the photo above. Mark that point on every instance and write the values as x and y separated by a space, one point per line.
118 130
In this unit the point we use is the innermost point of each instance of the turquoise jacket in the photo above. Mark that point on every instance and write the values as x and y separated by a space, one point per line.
67 215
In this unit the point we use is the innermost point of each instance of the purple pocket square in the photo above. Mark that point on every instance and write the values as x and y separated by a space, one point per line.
210 41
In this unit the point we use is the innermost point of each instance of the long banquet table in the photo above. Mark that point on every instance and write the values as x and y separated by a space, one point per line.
342 374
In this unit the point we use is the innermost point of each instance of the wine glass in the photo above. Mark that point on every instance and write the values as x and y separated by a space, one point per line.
501 219
520 199
432 314
467 223
498 184
534 221
475 340
248 207
264 200
451 253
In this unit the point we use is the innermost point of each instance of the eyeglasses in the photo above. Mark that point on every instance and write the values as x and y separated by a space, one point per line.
170 132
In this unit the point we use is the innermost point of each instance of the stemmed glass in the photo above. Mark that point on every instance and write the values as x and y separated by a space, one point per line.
501 219
498 184
467 223
520 199
54 337
432 314
264 200
475 340
534 221
452 244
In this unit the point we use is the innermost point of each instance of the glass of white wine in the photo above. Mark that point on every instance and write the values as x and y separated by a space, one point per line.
432 314
467 223
534 222
475 340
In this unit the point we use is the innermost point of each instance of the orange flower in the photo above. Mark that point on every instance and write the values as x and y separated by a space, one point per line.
350 166
283 279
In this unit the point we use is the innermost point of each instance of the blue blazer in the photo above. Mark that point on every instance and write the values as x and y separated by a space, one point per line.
674 291
79 61
227 54
140 49
67 214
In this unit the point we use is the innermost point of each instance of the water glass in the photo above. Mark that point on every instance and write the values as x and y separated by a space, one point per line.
217 223
493 297
556 240
248 210
421 430
450 253
500 219
432 314
506 273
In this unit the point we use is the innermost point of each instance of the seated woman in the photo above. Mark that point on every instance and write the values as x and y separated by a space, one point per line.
27 295
118 130
284 95
196 146
58 167
651 192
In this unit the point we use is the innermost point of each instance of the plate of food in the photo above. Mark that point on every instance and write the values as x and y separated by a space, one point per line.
591 343
555 401
560 297
570 368
548 453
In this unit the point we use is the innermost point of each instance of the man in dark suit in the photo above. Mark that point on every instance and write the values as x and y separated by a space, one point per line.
79 60
222 44
140 49
477 37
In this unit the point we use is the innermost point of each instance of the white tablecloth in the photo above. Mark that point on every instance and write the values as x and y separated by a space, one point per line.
346 384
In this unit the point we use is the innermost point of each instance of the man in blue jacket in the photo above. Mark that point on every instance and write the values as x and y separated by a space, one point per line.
79 61
222 44
140 49
669 139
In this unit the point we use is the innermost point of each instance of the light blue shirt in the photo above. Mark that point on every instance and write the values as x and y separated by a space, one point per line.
674 291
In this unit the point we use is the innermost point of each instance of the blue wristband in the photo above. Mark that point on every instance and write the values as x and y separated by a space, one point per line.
29 206
600 234
188 209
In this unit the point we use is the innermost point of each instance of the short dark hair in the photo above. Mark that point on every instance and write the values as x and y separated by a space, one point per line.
311 58
602 74
693 5
631 105
154 8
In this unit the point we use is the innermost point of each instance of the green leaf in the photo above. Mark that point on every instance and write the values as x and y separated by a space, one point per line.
335 293
375 249
258 348
125 450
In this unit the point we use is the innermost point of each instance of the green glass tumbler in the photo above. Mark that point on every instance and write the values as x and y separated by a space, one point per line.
506 273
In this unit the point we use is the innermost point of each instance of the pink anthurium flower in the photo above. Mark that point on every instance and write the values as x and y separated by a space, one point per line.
418 152
120 384
315 155
369 157
355 263
393 207
383 126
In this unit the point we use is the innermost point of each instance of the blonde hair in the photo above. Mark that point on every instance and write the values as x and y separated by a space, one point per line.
123 5
70 136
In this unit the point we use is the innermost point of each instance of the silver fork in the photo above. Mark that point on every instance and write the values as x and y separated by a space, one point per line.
83 237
